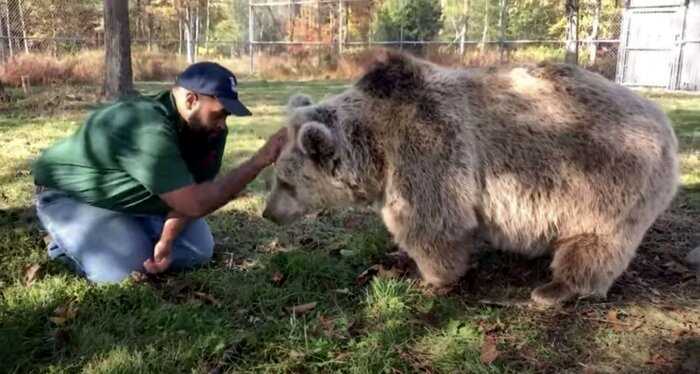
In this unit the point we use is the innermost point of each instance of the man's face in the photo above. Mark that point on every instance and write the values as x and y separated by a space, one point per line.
205 113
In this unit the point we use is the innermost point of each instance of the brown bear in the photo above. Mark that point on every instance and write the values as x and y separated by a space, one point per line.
536 159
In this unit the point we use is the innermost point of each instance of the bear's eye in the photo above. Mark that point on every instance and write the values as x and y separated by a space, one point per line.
286 187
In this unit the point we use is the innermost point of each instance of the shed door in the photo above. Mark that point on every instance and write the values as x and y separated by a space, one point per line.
650 46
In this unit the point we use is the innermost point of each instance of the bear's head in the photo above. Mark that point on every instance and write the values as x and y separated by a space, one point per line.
335 155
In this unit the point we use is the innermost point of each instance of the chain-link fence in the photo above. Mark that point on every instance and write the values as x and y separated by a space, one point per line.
295 38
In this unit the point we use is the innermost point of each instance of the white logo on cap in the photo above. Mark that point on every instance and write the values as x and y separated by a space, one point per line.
233 84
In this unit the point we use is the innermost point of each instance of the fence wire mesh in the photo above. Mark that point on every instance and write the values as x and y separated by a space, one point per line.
303 37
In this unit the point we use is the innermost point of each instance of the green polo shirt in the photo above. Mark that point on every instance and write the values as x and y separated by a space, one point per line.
128 153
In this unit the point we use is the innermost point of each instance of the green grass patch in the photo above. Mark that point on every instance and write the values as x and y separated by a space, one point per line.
234 315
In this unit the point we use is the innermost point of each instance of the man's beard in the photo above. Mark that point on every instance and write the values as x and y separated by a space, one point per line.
196 125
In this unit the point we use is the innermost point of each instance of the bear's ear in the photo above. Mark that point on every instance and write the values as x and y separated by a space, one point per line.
392 76
298 101
316 141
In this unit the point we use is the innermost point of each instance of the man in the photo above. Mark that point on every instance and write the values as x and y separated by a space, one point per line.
129 189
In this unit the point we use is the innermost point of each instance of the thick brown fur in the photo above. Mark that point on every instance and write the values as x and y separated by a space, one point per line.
537 159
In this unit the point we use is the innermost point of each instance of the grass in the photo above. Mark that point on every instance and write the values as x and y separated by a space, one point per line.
232 316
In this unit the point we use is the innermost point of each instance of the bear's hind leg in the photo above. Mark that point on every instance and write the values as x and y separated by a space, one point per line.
585 265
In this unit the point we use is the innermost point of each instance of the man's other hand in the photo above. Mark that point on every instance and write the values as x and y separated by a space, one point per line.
161 258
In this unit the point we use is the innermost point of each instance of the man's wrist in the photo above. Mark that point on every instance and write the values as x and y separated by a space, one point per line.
260 161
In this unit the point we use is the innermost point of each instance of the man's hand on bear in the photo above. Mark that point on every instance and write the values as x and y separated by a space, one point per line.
271 150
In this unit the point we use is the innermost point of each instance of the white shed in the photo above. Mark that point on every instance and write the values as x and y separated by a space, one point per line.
660 44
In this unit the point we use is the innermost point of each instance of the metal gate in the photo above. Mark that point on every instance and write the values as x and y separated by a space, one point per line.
660 44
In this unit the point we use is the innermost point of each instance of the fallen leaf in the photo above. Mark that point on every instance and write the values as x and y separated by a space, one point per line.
636 325
64 313
342 356
296 355
353 222
138 277
58 320
343 291
612 317
366 275
658 360
327 324
353 328
206 297
301 309
31 273
489 351
676 267
278 278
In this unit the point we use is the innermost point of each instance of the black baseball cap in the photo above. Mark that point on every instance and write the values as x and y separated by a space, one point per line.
210 78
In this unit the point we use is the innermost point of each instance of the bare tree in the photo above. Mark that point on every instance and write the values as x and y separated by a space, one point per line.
465 26
189 19
3 39
8 26
595 26
3 95
118 75
22 24
206 30
502 5
571 32
188 30
485 33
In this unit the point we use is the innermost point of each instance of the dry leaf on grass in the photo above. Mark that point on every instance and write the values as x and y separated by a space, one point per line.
366 275
301 309
278 278
63 314
138 277
379 271
658 359
328 325
489 351
31 273
206 297
613 317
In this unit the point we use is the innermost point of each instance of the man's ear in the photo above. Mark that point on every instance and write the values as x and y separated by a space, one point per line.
316 141
190 100
392 75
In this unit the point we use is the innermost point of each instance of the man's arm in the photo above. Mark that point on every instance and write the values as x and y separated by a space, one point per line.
198 200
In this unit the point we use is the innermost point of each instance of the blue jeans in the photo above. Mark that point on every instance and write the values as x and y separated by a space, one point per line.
106 246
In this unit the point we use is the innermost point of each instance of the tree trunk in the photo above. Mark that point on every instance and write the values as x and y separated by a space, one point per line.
3 95
24 28
196 32
593 45
465 26
118 75
341 22
3 39
503 4
571 32
485 33
8 28
179 36
150 32
189 37
206 35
